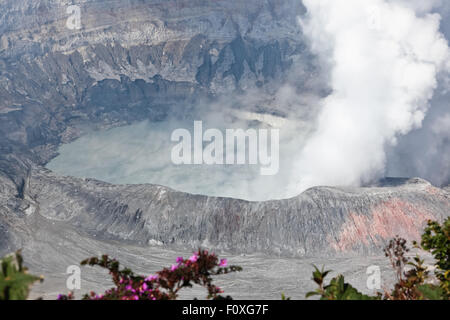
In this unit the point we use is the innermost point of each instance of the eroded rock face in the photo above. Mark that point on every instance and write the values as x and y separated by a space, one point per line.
320 221
135 60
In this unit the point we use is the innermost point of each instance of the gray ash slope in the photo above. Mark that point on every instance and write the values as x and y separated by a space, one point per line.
147 60
320 221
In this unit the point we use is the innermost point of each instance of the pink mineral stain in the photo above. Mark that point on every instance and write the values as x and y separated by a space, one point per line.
386 220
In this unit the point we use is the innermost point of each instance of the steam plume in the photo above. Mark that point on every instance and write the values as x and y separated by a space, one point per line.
384 58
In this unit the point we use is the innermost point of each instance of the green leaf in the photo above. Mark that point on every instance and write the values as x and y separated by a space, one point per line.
15 282
312 293
431 292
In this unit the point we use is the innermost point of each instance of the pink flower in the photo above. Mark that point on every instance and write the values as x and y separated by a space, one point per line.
194 258
144 286
223 263
151 278
180 260
174 267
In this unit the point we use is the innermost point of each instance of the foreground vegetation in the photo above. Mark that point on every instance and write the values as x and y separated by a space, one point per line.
414 280
165 284
15 282
413 283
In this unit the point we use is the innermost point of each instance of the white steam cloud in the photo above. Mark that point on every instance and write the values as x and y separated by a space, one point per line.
384 58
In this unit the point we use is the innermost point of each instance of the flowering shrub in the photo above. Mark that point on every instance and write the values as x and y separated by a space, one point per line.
165 284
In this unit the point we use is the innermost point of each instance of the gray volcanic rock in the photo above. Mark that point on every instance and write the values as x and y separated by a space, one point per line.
131 60
135 60
321 220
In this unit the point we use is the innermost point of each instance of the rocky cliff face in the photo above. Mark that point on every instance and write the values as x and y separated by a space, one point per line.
320 221
135 60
